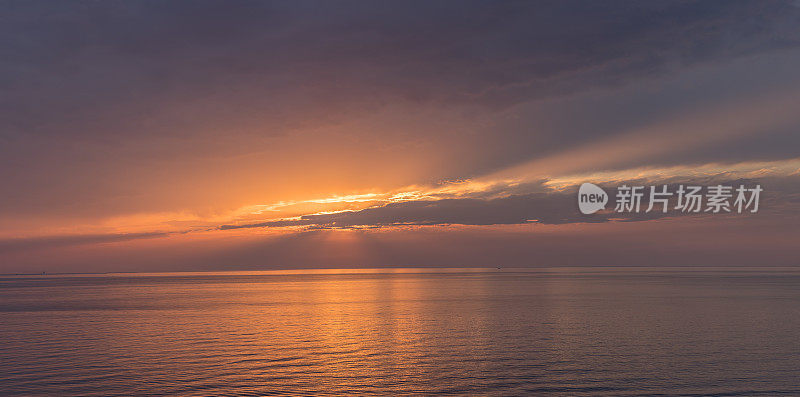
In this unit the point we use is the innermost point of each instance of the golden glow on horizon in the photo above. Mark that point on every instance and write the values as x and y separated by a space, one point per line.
172 222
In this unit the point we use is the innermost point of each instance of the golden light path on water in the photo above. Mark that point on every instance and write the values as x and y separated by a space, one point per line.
564 331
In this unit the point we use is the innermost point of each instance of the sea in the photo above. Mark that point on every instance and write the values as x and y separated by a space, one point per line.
682 331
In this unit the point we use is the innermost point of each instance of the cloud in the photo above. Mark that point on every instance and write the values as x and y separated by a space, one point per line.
33 243
115 108
550 207
153 67
544 208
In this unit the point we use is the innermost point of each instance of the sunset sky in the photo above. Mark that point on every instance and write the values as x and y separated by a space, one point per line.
161 136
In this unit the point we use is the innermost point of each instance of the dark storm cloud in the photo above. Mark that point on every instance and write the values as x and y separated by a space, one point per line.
545 208
87 67
781 198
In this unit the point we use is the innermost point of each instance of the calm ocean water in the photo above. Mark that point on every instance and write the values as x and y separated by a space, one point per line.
456 331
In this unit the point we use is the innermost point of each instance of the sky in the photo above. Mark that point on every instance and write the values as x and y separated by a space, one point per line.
218 135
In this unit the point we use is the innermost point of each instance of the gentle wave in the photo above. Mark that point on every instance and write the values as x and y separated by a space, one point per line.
486 332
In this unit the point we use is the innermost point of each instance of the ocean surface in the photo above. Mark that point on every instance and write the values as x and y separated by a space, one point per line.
569 331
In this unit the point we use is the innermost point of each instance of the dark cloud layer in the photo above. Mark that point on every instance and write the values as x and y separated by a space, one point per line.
547 208
94 65
553 208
